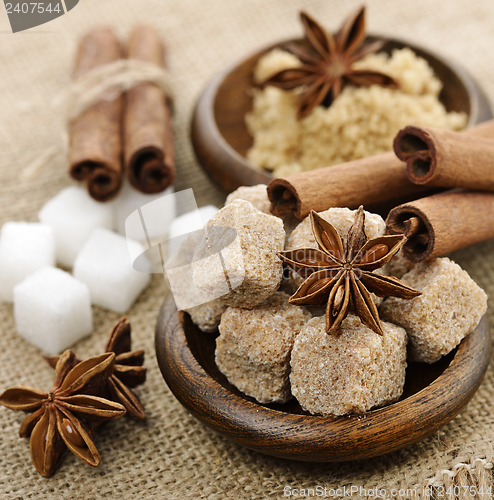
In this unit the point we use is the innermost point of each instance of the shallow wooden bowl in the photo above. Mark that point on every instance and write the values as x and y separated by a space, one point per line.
220 137
433 395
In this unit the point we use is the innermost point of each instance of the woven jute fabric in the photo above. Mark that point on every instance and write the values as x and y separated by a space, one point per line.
172 455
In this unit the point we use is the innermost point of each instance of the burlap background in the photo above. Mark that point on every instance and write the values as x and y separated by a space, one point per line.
172 455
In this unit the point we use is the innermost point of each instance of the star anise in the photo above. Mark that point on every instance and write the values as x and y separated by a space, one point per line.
127 373
339 276
327 63
60 417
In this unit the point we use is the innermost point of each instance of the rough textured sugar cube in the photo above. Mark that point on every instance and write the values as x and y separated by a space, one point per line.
278 305
52 310
449 308
398 266
253 349
24 248
204 311
349 373
207 316
249 264
341 219
257 195
74 215
105 265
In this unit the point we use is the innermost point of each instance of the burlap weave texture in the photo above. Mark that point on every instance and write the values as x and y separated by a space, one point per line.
172 455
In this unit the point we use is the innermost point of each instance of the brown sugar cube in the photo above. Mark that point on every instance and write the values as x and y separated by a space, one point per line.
278 305
272 62
258 196
398 266
246 263
207 313
449 308
349 373
253 349
207 316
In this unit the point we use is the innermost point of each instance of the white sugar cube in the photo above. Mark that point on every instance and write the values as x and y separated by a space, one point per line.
24 248
105 264
188 223
157 212
192 221
52 310
74 215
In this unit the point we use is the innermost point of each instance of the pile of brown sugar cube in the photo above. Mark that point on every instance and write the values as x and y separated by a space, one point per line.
273 351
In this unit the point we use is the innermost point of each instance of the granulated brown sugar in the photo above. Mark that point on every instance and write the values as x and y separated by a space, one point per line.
360 122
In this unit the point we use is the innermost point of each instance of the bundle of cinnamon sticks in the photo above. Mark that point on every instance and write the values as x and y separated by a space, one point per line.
424 161
127 133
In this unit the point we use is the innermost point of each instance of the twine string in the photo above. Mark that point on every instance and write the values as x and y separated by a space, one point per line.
108 81
103 83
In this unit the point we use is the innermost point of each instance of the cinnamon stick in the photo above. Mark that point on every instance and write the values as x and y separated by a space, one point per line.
361 182
439 224
443 158
367 181
148 138
95 135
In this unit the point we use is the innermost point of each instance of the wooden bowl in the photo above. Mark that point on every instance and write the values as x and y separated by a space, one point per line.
433 395
220 137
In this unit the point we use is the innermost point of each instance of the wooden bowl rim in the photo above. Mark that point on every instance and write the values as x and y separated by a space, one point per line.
286 435
204 110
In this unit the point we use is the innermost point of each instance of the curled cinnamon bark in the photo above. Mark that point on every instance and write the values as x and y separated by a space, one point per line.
443 158
148 138
95 135
439 224
367 181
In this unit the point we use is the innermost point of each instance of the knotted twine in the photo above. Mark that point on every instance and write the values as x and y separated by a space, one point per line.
103 83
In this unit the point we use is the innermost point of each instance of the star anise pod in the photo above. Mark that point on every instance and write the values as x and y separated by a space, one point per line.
327 63
127 373
339 276
59 418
